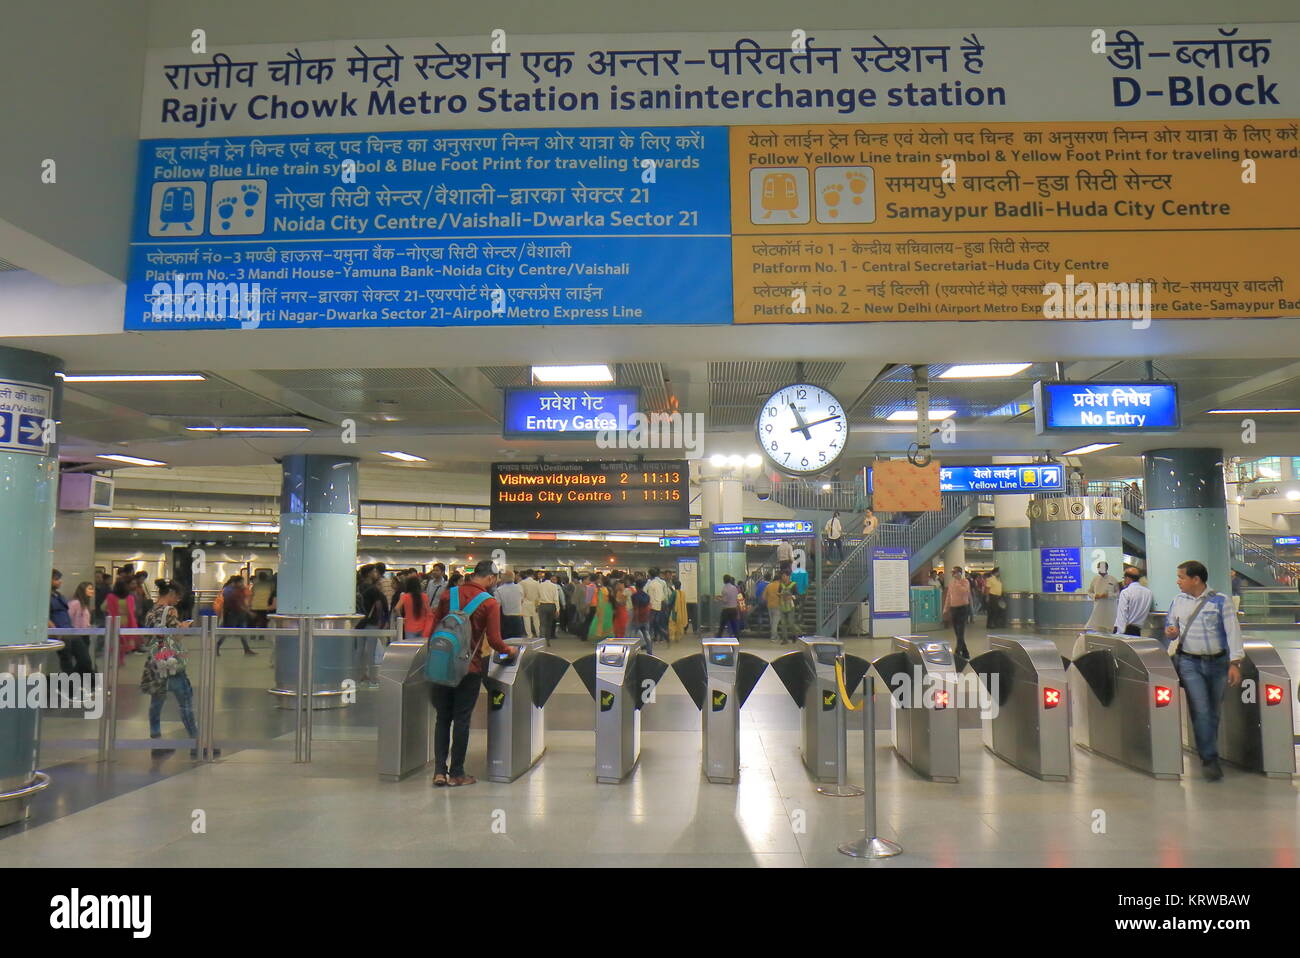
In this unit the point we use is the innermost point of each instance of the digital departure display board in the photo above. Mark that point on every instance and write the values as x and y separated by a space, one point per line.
589 496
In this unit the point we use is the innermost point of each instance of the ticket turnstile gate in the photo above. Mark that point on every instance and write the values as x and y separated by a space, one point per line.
719 680
922 679
808 674
621 679
1030 726
1255 730
517 692
1133 713
405 712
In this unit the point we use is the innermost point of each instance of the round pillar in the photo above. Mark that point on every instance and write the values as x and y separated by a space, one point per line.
319 514
1012 551
30 398
954 554
1186 518
1070 537
722 499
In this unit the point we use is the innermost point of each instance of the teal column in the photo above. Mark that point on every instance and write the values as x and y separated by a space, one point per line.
722 499
30 394
1186 518
1070 537
319 516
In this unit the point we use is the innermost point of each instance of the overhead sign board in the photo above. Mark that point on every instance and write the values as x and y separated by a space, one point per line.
775 527
1031 477
1123 407
435 182
24 411
567 412
586 496
679 542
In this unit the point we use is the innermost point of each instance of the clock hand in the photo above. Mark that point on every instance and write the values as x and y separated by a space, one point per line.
818 422
803 426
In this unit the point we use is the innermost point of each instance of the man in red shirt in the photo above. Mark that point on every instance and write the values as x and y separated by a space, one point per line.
456 705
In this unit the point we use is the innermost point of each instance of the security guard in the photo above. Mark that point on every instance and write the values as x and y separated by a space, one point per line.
1209 654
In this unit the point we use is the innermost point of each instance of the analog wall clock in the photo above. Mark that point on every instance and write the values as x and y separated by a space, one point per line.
802 429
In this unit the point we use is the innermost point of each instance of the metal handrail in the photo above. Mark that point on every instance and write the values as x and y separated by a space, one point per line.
208 630
817 496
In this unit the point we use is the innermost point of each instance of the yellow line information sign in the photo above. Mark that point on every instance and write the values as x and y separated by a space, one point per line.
1165 220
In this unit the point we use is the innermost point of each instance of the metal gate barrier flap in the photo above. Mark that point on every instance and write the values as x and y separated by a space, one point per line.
1134 704
922 678
719 681
621 679
1030 728
405 712
1255 730
808 674
517 693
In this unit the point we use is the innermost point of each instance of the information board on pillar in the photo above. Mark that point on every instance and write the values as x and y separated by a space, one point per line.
25 410
578 496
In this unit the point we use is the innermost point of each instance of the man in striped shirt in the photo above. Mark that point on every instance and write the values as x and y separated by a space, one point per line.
1209 655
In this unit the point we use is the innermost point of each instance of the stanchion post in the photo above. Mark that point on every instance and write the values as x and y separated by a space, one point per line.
310 633
839 789
208 672
870 845
112 651
300 721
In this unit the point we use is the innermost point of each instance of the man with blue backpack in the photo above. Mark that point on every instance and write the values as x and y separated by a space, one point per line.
468 631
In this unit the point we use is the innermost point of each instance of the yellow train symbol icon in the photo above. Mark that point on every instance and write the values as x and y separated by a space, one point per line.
780 194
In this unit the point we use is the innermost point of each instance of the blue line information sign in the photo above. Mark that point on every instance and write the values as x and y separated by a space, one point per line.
579 226
679 542
1106 407
1062 569
568 412
1007 479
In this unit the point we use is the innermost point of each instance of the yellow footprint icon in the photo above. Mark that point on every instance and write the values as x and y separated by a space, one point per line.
831 196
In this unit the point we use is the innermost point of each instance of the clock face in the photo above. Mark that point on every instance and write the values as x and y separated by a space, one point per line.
802 429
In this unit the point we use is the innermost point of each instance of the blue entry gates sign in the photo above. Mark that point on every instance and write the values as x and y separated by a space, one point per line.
578 226
568 412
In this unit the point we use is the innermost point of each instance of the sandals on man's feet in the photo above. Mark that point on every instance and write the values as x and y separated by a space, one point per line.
462 780
440 780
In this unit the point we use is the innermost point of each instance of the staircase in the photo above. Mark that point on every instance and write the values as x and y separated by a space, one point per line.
849 582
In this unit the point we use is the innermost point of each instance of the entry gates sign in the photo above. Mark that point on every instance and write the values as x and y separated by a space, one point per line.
845 176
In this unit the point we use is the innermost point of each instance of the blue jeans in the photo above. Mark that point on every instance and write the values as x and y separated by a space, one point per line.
1204 681
659 624
178 685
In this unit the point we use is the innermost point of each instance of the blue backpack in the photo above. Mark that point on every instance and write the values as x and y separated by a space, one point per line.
451 646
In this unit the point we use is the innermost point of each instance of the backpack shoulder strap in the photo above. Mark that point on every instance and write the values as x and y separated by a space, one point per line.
475 602
454 597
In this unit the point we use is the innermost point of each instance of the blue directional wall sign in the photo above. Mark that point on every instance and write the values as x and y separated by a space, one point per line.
24 410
